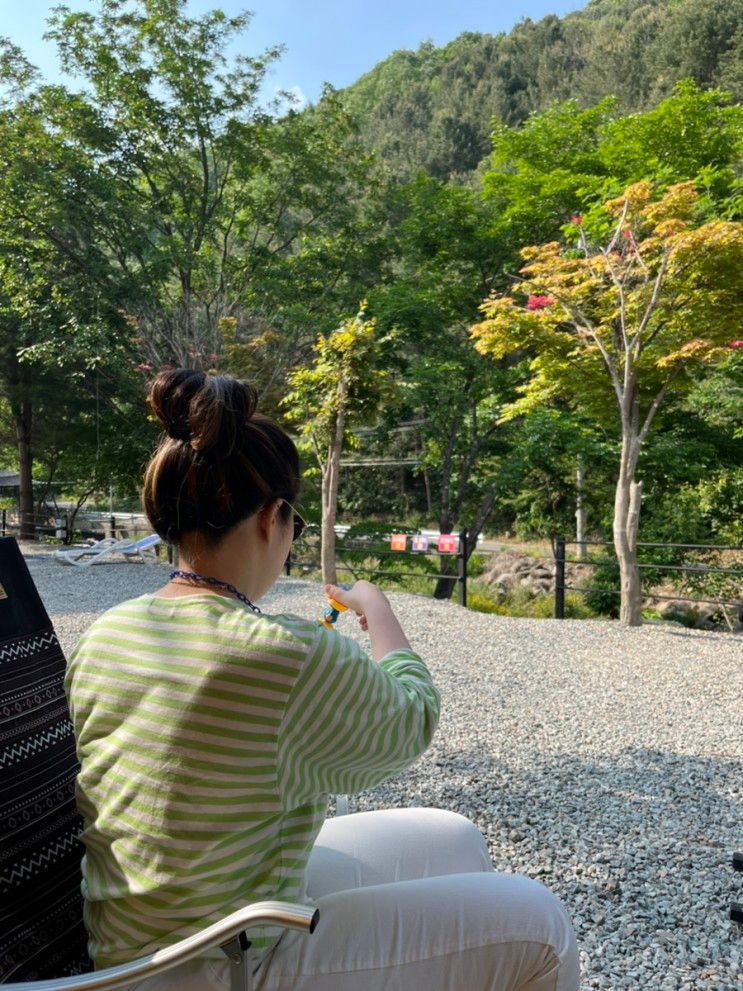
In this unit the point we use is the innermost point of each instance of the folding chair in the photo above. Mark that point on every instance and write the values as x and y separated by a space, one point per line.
42 939
96 553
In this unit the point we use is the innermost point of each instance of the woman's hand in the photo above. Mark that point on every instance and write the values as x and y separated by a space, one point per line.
361 597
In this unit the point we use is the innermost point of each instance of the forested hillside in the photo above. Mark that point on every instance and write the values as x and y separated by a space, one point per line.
432 108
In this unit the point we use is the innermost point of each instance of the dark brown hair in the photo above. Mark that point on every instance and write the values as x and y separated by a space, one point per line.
220 461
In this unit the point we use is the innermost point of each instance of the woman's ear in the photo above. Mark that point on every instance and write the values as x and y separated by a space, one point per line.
268 517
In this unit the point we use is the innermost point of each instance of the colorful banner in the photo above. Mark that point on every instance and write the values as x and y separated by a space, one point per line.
399 542
420 543
447 544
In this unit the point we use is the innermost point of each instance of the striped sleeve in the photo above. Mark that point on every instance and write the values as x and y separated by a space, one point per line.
351 722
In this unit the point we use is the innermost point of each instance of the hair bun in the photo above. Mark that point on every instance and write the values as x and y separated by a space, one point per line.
208 411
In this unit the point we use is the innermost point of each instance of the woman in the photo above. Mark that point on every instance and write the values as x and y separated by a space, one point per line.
210 734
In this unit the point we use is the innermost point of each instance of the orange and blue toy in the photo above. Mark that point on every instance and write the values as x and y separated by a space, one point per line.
329 616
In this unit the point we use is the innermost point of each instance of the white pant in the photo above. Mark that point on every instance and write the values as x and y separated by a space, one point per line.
409 901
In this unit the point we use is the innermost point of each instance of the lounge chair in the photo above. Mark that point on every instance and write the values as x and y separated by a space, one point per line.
142 549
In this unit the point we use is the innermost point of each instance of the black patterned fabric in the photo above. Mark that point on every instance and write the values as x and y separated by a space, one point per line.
41 930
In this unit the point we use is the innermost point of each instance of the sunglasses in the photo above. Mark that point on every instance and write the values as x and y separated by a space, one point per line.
299 522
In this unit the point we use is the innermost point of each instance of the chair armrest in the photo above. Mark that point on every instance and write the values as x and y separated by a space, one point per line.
301 917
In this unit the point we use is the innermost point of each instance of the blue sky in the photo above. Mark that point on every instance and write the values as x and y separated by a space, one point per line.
325 40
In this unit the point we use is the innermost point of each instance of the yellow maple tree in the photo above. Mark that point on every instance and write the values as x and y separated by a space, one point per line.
617 325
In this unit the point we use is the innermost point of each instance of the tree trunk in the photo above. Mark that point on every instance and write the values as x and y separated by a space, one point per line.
626 523
580 513
447 565
23 421
327 530
72 517
481 514
427 486
445 585
329 492
46 491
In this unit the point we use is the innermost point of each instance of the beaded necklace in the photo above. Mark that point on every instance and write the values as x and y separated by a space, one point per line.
193 579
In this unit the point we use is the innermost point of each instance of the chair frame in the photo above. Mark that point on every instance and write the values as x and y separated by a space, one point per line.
227 934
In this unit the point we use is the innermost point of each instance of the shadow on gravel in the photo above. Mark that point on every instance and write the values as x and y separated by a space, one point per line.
638 847
698 635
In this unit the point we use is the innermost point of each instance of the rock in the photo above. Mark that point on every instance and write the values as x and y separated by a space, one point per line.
710 617
679 611
505 582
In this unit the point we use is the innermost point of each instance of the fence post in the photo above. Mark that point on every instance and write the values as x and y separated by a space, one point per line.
112 524
5 532
462 568
288 564
560 577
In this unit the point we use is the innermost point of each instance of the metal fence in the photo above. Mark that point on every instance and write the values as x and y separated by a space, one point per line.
698 569
452 567
305 558
62 527
377 546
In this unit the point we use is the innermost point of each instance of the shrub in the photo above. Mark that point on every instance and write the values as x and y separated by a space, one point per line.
604 577
520 601
479 602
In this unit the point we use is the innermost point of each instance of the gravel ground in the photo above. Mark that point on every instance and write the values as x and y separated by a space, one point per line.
602 761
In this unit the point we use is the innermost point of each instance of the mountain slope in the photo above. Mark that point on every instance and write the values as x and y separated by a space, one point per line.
431 109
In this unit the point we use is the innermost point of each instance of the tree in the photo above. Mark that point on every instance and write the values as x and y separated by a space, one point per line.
209 194
538 478
51 284
432 109
568 155
168 123
162 205
444 258
343 387
622 324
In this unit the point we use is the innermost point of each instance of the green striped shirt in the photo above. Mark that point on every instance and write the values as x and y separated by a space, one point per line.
209 738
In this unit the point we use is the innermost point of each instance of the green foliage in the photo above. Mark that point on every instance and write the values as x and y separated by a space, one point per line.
431 109
442 254
520 602
691 131
568 159
604 579
537 478
477 564
161 215
199 203
717 398
480 602
343 386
